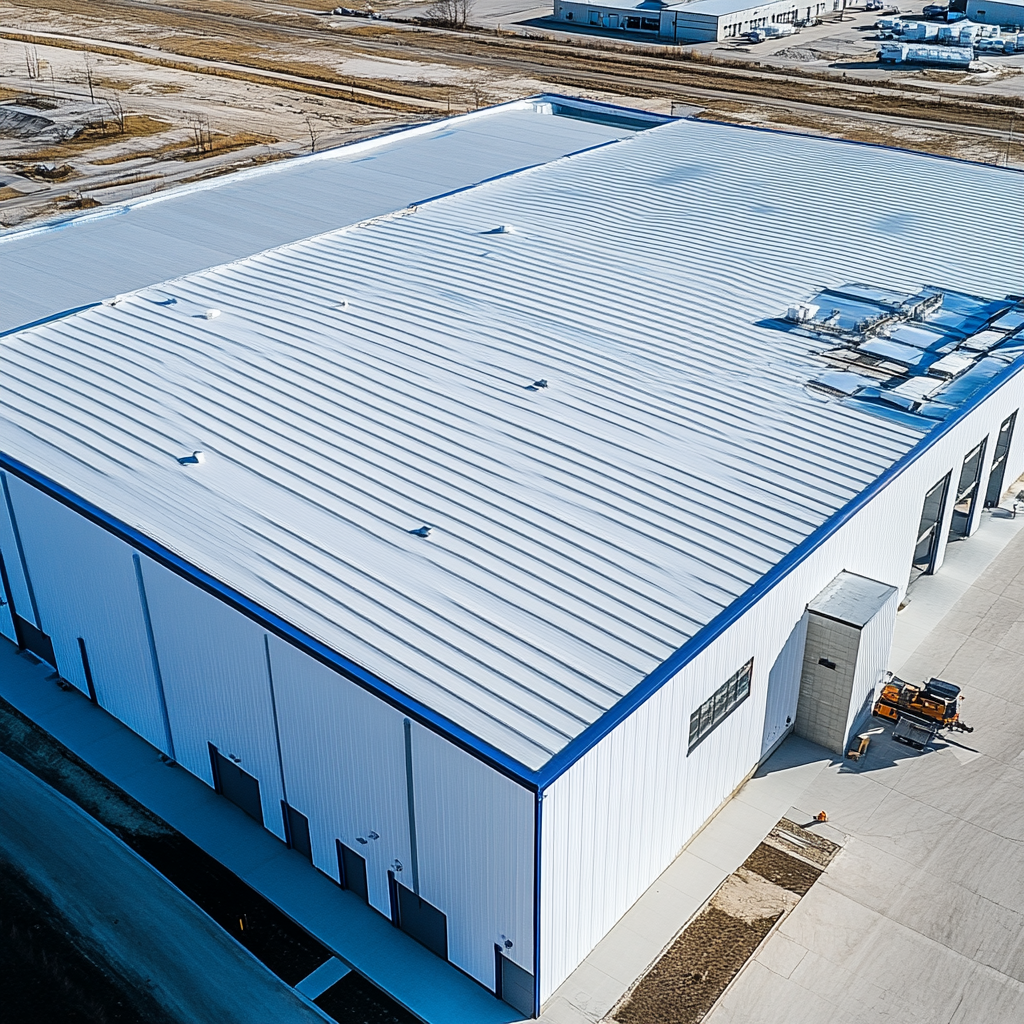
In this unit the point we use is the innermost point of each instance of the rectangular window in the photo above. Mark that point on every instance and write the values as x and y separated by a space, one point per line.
720 704
632 23
650 24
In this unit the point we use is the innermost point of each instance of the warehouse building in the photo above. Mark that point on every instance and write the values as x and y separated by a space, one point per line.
695 21
481 548
1002 13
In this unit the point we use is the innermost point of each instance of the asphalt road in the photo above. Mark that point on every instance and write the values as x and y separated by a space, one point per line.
131 916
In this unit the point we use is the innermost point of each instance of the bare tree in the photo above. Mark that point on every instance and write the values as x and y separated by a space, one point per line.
450 13
118 112
200 125
315 131
88 78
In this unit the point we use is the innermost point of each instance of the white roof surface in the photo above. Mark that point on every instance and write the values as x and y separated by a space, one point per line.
582 532
49 269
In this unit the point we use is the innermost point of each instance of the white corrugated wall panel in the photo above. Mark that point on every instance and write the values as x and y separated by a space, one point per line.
12 559
872 661
344 764
474 832
85 586
784 688
214 670
620 814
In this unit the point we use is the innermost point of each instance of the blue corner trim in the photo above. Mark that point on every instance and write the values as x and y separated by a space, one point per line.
416 710
594 733
538 800
49 319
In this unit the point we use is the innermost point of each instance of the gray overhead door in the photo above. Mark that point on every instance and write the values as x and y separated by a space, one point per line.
241 788
418 919
995 477
928 529
352 871
966 493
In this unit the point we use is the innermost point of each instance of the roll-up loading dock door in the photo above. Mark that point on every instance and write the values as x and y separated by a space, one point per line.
241 788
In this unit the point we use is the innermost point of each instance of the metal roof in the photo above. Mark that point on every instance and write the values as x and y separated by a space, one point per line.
54 267
365 383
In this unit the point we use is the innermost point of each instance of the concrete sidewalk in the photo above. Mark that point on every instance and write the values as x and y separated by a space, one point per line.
361 938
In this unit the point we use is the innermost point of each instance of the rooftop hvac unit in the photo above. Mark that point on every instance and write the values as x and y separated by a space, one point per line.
801 312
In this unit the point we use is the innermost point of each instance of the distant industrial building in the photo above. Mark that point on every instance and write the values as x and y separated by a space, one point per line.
1005 13
698 21
481 542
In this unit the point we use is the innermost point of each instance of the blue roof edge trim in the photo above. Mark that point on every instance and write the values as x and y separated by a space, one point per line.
496 759
700 641
49 319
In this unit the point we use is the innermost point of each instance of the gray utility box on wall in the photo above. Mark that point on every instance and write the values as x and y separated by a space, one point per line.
849 637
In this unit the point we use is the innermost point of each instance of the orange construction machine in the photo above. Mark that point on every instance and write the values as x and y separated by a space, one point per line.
936 701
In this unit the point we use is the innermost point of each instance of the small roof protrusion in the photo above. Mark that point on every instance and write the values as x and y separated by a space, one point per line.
422 531
195 459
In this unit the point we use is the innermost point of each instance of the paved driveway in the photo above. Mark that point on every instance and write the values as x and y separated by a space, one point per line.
921 916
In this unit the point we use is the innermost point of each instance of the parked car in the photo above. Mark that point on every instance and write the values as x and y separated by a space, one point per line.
935 11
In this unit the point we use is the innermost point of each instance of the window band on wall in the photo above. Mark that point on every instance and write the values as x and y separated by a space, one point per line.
729 696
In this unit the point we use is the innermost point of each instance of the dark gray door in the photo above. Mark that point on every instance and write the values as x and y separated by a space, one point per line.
515 985
966 493
995 478
928 529
34 640
296 826
352 869
241 788
419 920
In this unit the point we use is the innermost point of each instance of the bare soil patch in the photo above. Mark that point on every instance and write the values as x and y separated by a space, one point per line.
782 869
689 978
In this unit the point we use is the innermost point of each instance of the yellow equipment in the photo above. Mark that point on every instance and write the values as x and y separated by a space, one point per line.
936 701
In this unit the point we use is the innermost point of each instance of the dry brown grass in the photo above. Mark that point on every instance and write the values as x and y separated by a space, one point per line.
96 134
350 90
185 149
228 144
6 192
112 84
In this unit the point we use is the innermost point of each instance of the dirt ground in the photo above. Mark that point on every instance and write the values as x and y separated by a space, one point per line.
690 977
687 980
129 97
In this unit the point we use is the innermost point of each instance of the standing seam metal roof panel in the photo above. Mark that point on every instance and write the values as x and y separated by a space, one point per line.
582 532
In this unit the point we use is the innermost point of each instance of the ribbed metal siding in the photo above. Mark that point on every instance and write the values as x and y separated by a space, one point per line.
619 816
872 661
84 584
12 558
783 688
344 763
214 672
474 831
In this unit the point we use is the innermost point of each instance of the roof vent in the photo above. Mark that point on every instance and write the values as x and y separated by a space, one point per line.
422 531
501 229
116 300
537 385
195 459
211 314
343 304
